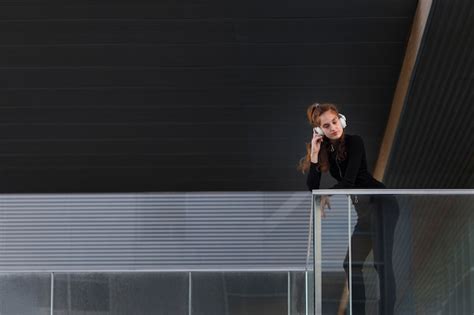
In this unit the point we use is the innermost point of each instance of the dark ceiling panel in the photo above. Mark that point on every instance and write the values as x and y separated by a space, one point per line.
433 147
185 95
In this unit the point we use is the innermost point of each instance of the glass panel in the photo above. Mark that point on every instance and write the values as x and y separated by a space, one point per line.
236 293
300 295
372 240
413 255
334 238
25 294
126 293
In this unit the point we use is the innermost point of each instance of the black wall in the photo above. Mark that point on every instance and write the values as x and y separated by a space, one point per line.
185 95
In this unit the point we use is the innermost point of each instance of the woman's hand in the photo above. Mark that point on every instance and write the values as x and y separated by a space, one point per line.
315 147
323 204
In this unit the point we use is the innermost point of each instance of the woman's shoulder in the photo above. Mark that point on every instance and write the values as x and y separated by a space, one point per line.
353 139
352 136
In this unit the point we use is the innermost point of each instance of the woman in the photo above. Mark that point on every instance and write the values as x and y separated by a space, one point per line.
343 155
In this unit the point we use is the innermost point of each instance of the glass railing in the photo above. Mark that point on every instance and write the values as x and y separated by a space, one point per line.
155 253
394 252
238 253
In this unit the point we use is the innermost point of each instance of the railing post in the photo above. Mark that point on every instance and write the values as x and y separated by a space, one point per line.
52 294
317 255
289 293
349 284
190 294
306 306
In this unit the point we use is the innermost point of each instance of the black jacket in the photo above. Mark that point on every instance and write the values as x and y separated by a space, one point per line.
351 172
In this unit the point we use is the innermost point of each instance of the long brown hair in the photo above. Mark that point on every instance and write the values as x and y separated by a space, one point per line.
313 112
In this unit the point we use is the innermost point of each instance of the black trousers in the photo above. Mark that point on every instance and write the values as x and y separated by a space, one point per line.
376 220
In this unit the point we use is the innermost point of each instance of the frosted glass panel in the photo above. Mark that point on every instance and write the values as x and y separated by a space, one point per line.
236 293
299 298
126 293
24 294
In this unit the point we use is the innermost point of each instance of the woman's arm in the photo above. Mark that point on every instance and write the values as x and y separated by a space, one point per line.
314 176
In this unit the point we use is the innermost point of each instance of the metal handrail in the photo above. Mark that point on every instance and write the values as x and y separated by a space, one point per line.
320 192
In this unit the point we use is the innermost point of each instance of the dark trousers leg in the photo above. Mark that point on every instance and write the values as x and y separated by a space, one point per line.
361 244
384 221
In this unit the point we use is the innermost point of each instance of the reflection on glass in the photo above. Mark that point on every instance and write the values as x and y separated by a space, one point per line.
433 255
300 293
410 254
377 217
334 243
212 293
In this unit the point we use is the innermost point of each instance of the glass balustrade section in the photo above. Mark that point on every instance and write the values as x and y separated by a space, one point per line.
378 252
157 253
410 252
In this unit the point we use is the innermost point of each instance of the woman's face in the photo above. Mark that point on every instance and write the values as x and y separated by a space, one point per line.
330 124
